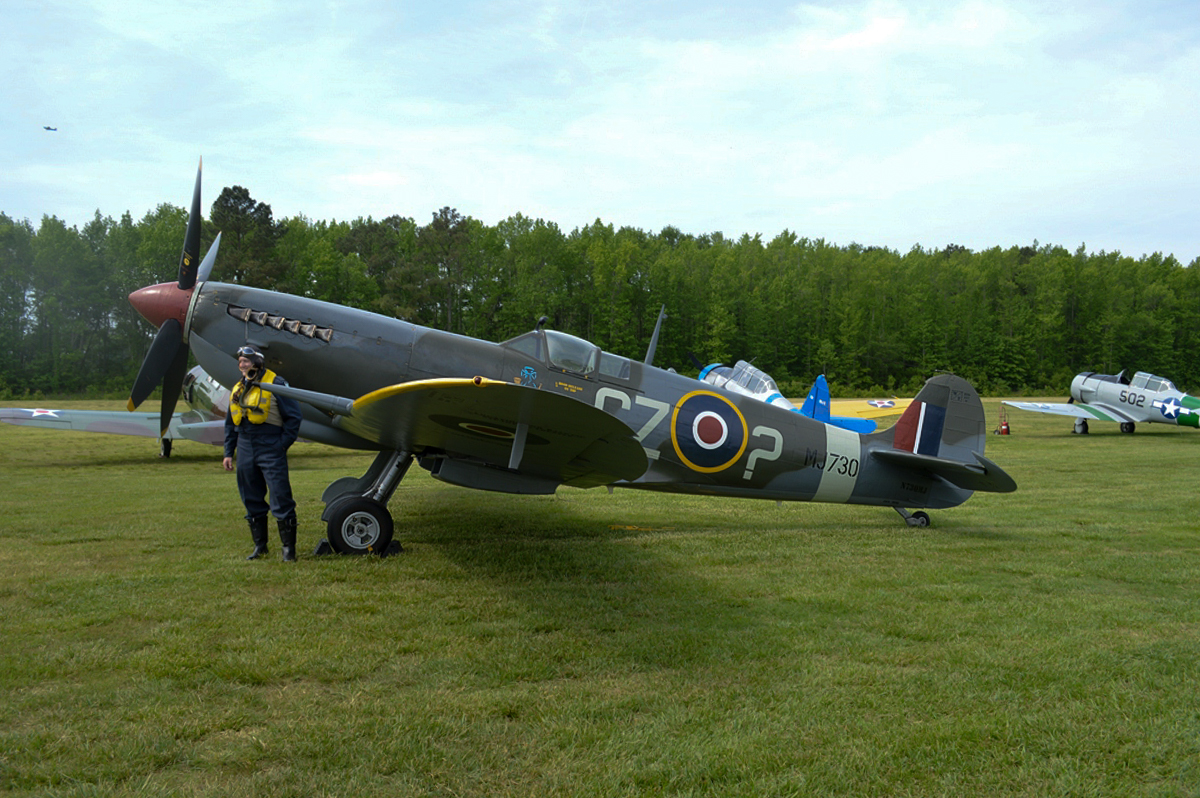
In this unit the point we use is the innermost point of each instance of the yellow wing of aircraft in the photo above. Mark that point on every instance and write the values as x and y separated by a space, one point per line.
870 408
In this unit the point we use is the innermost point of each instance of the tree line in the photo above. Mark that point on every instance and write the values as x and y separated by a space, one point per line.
1022 319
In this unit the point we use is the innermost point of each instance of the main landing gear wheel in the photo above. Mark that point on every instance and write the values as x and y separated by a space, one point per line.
359 526
919 518
1128 426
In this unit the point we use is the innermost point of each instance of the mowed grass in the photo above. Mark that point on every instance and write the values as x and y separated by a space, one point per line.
1040 643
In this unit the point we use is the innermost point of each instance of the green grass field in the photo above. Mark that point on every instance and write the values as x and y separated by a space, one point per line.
1042 643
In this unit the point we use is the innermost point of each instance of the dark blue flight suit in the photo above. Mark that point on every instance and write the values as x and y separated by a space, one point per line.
262 467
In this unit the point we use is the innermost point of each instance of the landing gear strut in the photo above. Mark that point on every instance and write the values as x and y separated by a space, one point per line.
919 518
356 514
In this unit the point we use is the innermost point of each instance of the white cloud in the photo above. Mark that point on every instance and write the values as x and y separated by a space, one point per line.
885 122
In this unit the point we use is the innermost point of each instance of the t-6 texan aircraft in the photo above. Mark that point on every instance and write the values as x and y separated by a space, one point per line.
540 410
1145 398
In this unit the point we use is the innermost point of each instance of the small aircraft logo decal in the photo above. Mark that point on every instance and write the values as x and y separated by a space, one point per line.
529 377
51 413
881 402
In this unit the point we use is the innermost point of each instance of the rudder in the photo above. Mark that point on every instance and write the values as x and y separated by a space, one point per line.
946 419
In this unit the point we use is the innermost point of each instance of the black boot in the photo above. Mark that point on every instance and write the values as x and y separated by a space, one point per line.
258 531
287 537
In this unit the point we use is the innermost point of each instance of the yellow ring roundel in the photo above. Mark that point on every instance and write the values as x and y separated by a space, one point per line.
708 432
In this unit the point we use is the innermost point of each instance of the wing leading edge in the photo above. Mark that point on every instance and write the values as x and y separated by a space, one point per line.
533 432
1075 410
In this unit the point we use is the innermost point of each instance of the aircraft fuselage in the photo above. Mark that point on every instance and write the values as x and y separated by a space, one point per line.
1144 398
698 438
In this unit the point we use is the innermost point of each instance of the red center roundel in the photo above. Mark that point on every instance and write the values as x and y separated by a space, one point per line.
710 430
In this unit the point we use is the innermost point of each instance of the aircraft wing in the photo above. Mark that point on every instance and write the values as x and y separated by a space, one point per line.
190 426
1077 410
529 431
870 408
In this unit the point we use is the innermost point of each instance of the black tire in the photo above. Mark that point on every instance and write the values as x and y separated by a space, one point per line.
1128 426
359 526
921 518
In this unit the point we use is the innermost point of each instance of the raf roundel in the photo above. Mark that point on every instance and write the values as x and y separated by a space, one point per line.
708 432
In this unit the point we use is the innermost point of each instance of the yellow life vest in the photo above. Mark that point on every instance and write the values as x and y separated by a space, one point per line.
254 402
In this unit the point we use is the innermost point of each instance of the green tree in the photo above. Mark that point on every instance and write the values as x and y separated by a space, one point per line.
16 287
248 238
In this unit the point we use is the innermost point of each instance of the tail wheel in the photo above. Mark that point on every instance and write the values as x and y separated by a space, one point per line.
359 526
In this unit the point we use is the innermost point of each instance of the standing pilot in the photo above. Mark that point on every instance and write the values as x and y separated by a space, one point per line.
260 426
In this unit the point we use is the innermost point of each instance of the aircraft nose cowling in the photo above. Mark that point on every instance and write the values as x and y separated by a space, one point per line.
157 303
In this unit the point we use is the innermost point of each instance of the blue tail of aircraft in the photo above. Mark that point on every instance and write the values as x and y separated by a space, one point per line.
816 406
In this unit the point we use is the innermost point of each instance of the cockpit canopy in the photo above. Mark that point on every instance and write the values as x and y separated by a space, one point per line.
752 381
1148 382
568 353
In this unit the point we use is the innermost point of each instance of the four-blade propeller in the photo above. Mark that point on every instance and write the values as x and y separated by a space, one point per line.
166 306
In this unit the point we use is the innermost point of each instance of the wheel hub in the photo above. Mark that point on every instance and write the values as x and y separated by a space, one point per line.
361 530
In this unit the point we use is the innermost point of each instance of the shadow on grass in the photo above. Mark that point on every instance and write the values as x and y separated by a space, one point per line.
649 586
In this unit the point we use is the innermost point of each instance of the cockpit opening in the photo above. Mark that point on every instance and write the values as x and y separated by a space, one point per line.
569 353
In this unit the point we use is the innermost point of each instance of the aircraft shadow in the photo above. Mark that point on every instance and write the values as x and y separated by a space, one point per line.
584 579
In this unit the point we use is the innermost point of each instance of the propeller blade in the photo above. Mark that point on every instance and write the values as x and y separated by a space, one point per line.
172 387
210 258
191 242
163 352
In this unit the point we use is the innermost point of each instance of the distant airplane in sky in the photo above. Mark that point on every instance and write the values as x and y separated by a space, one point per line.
47 127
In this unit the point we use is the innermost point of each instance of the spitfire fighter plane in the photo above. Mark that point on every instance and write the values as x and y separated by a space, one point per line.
541 410
1144 398
203 422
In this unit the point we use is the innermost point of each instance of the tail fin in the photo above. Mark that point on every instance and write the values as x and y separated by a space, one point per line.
944 431
816 406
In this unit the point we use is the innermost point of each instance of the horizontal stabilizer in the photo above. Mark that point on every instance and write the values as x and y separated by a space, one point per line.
981 475
863 426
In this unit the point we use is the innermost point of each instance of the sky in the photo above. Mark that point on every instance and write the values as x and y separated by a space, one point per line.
894 123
